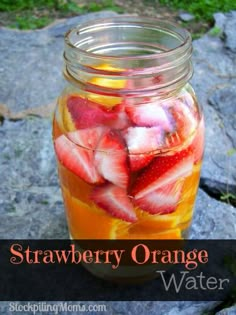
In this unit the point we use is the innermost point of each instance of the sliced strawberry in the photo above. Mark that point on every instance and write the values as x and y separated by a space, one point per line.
111 159
122 120
162 200
88 137
197 144
77 160
143 142
151 114
86 113
115 201
186 123
162 171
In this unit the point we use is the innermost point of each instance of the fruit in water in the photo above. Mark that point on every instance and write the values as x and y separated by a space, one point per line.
162 200
111 159
89 137
151 114
186 124
150 223
115 201
162 171
142 143
106 142
86 113
101 98
197 144
90 222
122 120
95 155
164 235
78 160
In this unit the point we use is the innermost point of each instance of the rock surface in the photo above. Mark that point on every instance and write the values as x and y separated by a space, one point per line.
31 63
214 81
30 200
186 17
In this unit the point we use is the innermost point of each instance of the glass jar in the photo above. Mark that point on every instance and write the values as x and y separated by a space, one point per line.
128 130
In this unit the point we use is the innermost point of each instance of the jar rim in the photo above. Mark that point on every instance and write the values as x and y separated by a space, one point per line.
173 28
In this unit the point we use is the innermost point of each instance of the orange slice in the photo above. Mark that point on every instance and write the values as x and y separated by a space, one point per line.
77 187
90 222
107 101
153 223
104 100
57 132
190 185
166 235
62 116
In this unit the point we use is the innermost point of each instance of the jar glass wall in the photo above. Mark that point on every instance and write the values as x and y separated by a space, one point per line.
128 131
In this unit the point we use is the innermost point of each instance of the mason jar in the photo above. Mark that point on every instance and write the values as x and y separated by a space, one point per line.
128 130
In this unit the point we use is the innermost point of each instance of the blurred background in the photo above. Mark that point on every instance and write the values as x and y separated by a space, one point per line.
196 16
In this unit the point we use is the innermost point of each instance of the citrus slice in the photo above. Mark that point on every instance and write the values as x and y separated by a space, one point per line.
68 122
77 187
166 235
107 101
90 222
62 117
153 223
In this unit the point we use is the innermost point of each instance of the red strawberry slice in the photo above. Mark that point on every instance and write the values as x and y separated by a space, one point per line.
186 123
151 114
77 160
122 120
162 171
111 159
86 113
89 137
198 142
143 142
115 201
162 200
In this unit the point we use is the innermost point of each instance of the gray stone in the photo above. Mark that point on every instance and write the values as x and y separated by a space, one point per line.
214 81
229 31
221 100
161 308
186 17
31 63
131 308
213 219
220 20
26 149
228 311
30 198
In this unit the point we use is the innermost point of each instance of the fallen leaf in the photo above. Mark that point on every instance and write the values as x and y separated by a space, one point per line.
43 111
4 111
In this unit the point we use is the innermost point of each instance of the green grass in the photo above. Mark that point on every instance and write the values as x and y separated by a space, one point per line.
30 22
202 9
33 14
19 5
231 152
215 31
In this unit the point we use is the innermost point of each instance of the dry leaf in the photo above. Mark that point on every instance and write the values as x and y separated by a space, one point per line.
4 111
43 111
